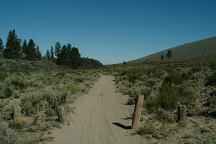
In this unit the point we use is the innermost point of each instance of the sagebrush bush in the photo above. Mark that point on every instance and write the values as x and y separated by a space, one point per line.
165 116
7 136
38 101
18 83
211 80
169 96
148 128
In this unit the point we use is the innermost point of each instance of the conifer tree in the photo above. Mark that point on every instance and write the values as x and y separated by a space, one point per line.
13 46
31 51
51 53
24 47
1 48
162 57
57 49
169 54
39 56
48 55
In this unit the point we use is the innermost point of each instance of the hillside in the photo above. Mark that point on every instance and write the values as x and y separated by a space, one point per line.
202 49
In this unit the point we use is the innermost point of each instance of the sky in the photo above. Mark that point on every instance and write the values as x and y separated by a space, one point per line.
111 31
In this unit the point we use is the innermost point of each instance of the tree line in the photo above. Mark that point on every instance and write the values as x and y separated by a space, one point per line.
28 50
16 49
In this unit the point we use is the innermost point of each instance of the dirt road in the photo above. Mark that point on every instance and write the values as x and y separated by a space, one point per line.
101 117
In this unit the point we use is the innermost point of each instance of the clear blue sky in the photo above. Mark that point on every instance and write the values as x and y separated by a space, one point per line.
113 30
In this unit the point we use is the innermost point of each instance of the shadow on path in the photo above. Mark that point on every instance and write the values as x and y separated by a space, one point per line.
121 125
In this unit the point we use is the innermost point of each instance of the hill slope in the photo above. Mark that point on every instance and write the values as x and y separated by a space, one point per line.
202 49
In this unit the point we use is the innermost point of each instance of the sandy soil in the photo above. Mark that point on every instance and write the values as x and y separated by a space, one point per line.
100 117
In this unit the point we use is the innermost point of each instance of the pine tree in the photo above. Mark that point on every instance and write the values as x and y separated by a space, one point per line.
52 53
31 51
162 57
48 55
24 47
13 46
39 56
1 48
57 49
169 54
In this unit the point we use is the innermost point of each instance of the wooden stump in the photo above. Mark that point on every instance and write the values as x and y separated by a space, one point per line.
182 113
137 112
61 114
17 114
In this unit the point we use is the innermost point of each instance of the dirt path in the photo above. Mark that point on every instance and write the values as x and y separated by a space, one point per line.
100 118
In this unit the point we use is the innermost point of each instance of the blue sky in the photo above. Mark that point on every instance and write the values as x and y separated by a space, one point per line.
111 31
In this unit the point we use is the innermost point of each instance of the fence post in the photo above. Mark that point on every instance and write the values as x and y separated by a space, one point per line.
61 114
17 114
181 113
137 112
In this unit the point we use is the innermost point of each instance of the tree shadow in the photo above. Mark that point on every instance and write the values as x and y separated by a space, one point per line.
121 125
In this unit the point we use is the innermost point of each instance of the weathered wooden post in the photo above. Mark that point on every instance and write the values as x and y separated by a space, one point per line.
17 114
137 112
181 113
61 114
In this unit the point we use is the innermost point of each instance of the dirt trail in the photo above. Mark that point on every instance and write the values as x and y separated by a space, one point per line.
101 117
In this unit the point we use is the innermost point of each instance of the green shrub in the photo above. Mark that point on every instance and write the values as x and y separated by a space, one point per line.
169 96
7 136
212 65
148 128
7 113
152 104
211 80
3 76
165 116
18 83
5 92
173 78
45 100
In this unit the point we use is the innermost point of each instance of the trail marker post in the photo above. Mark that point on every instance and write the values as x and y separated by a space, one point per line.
137 112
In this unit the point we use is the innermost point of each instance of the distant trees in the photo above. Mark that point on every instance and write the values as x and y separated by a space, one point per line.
48 55
28 50
67 55
52 53
169 54
14 50
1 48
162 57
39 55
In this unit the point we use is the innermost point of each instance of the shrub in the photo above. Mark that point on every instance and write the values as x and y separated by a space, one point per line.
7 136
18 83
5 92
212 65
45 100
168 96
152 104
3 75
211 80
7 113
165 116
173 78
148 128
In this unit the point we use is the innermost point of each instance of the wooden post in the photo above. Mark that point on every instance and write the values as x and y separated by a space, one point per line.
181 113
61 114
137 112
17 114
